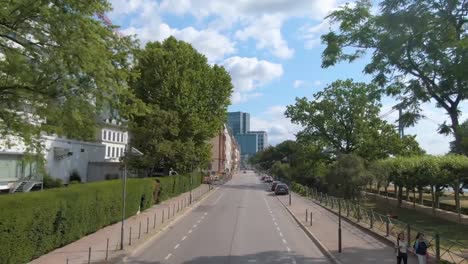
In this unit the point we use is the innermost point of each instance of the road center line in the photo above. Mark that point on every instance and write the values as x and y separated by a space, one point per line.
281 234
217 200
176 246
277 228
288 249
190 231
168 256
185 237
284 241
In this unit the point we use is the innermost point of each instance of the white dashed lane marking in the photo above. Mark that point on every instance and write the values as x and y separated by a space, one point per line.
176 246
168 256
185 237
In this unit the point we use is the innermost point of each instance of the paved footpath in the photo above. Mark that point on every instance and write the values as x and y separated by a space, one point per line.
357 245
151 221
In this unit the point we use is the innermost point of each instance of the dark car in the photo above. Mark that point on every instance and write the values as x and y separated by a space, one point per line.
245 171
281 188
273 185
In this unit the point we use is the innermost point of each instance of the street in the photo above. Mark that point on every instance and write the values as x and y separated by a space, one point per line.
240 223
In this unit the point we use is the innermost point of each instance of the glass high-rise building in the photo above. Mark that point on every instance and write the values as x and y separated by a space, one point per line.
250 142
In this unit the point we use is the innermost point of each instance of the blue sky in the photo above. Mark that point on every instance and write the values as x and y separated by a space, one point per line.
271 49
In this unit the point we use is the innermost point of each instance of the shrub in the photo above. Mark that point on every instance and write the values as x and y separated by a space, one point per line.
74 177
49 182
32 224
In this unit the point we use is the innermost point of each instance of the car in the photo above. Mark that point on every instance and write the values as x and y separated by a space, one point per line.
268 179
281 188
245 171
273 185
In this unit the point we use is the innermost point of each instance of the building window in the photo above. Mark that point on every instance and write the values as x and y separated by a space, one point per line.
121 152
113 136
104 134
113 152
108 152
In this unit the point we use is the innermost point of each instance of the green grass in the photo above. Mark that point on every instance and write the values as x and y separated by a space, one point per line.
428 223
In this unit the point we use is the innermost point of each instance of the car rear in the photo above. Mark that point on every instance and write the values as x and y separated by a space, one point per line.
281 189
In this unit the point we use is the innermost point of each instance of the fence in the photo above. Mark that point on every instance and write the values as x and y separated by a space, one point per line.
444 250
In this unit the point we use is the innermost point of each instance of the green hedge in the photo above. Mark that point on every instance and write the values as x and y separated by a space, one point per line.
32 224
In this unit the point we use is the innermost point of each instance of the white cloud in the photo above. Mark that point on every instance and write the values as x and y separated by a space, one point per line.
318 83
311 34
298 83
267 32
250 73
239 97
273 121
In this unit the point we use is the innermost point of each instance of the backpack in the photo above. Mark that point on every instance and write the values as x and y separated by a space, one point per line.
421 248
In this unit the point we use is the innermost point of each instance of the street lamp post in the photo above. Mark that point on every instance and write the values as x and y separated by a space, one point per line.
339 225
128 154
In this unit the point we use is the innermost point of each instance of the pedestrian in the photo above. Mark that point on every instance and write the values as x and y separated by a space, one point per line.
420 248
157 191
401 248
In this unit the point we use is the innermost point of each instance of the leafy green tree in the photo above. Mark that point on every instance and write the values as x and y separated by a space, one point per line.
348 176
59 66
187 100
463 145
419 52
344 118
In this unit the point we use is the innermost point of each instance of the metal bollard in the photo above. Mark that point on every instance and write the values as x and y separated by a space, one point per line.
67 260
130 237
178 206
139 231
162 218
173 210
169 212
387 227
107 249
147 225
289 198
89 255
372 221
307 215
311 221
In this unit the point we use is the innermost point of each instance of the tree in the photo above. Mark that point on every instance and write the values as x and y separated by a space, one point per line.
59 67
419 52
463 145
187 101
347 176
344 117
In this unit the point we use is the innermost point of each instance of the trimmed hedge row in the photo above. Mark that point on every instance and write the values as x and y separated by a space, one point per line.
32 224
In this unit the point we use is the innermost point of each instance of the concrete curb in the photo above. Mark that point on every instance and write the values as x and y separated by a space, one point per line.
122 257
312 237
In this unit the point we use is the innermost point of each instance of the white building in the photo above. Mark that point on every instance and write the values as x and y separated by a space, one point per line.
114 136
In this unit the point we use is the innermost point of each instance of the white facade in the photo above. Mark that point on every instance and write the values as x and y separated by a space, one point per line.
115 139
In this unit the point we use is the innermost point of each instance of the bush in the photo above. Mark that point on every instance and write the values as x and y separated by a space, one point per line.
32 224
74 177
49 182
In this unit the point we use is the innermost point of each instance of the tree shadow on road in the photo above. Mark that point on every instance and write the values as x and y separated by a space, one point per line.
266 257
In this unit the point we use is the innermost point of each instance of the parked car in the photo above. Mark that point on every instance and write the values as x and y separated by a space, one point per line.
273 185
281 188
245 171
268 179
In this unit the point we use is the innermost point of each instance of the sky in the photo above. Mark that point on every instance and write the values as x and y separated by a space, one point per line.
272 50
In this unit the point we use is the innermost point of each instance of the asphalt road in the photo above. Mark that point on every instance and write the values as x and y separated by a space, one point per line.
240 223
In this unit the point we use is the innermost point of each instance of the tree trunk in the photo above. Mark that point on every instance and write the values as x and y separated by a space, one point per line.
453 113
400 195
378 189
437 196
433 199
386 192
420 190
407 194
414 198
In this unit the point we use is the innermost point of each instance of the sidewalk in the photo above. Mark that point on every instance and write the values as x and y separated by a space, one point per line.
142 226
357 245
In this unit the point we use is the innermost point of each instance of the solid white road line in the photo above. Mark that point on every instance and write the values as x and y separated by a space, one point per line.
217 200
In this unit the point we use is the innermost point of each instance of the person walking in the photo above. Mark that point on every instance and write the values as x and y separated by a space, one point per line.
420 248
401 248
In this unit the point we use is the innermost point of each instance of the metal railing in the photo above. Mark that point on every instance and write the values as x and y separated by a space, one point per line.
442 249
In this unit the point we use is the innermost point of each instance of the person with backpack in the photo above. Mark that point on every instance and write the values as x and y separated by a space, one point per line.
420 248
401 248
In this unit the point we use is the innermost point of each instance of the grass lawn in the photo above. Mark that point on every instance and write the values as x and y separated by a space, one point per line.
428 223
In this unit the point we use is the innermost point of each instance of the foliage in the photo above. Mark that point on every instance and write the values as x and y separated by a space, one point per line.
187 100
59 68
347 176
74 176
419 52
463 145
344 118
32 224
49 182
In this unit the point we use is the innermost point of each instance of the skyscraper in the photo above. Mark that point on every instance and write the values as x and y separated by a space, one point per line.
250 142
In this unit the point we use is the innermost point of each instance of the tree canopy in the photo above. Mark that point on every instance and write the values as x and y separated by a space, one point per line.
419 52
187 100
59 66
344 118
